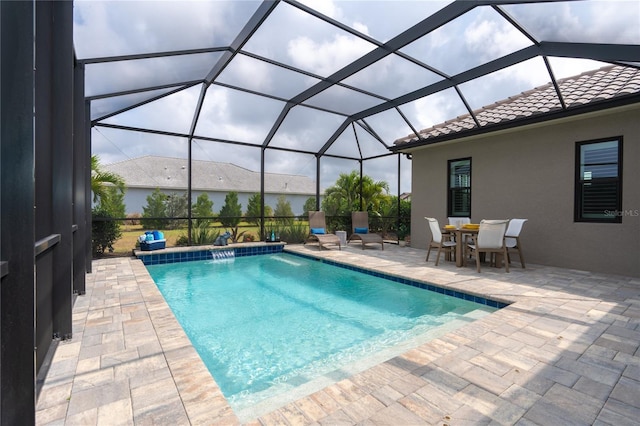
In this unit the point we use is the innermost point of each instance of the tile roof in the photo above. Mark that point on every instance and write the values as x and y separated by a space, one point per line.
171 173
590 87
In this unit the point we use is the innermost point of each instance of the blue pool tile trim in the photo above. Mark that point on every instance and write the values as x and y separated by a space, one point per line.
425 286
190 256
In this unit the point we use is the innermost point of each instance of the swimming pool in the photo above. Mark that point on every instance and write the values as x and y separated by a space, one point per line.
279 326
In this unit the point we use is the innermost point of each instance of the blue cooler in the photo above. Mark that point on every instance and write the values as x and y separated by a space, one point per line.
154 240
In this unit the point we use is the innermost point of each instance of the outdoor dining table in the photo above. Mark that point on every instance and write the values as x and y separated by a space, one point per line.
459 234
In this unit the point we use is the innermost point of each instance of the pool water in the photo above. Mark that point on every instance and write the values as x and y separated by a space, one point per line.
264 325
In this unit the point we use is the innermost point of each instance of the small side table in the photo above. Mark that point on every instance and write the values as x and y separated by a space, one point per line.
343 237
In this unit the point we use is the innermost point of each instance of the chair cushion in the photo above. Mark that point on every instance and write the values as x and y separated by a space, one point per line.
318 231
361 230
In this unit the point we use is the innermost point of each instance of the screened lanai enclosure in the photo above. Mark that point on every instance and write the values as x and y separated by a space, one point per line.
314 89
275 98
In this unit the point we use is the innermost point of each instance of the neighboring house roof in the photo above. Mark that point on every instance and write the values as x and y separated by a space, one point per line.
171 173
594 89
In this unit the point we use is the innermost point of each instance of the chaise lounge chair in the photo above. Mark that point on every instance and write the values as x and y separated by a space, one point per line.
360 230
318 231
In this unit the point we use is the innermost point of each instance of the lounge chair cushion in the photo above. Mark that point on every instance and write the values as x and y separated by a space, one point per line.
361 230
317 231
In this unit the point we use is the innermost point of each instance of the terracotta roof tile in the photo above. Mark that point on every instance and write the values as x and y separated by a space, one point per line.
590 87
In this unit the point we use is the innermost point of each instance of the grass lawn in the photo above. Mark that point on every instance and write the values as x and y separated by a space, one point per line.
130 234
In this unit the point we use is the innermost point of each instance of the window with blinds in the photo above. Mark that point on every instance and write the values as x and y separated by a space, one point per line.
598 195
459 185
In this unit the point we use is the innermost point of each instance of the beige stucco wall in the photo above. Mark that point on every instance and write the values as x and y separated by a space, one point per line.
529 173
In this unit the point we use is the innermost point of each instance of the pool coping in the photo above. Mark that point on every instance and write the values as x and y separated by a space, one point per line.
424 285
205 252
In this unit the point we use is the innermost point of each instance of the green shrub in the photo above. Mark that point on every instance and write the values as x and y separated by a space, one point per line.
104 232
155 210
176 206
203 208
283 213
231 214
182 240
202 234
295 233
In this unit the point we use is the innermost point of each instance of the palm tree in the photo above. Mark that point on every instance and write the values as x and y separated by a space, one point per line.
343 197
374 193
100 179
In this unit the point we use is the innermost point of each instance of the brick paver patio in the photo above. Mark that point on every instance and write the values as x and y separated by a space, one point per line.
564 352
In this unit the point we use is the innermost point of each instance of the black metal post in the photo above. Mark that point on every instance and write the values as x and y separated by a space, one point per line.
61 139
318 183
81 161
189 183
17 199
398 219
87 189
262 231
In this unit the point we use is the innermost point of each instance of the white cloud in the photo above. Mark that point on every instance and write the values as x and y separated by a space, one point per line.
326 7
360 27
325 57
255 75
435 109
492 39
568 67
598 21
614 22
104 28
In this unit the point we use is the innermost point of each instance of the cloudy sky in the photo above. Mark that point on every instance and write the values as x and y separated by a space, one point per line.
295 39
